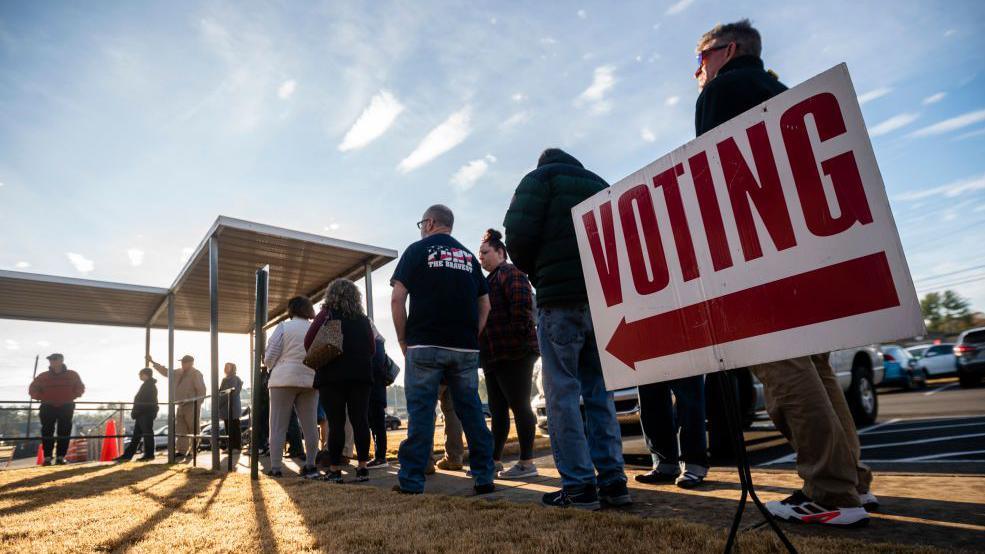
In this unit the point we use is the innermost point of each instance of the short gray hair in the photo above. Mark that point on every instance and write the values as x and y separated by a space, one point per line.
441 215
742 33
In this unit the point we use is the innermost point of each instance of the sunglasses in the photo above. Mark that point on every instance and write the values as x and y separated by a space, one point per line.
700 57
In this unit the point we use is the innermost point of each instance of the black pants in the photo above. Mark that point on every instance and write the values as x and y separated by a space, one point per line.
662 418
235 434
143 428
336 399
720 445
50 417
508 384
377 420
295 446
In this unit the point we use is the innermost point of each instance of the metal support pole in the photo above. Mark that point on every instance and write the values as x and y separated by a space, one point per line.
146 344
214 335
171 418
30 404
258 348
369 290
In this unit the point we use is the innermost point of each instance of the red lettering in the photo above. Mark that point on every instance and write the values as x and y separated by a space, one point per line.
711 213
678 220
842 168
767 196
640 194
606 261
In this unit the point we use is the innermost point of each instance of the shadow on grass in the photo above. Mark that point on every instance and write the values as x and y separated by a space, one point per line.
266 537
48 477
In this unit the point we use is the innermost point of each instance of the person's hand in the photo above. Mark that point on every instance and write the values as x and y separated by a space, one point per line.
148 359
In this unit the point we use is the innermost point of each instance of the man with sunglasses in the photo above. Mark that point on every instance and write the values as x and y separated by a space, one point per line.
802 394
449 304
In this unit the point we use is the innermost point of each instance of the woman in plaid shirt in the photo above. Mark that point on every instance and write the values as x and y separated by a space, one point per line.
508 350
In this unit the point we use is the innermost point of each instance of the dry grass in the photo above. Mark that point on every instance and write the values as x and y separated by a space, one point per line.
157 509
512 447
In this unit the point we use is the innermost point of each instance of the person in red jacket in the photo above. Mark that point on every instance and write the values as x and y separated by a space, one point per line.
57 390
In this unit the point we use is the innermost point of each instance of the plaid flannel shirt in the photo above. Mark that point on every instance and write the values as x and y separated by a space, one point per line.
510 331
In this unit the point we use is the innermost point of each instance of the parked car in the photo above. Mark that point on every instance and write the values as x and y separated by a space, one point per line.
970 354
392 422
936 359
160 440
901 369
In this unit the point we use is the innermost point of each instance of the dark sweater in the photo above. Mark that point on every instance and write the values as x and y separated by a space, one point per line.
145 402
540 234
358 347
740 85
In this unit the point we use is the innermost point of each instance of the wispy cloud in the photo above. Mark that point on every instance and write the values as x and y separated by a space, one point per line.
44 343
934 98
950 32
603 80
582 14
11 344
518 97
672 100
81 263
679 6
874 94
186 253
647 135
950 190
136 256
970 134
449 134
953 124
893 123
22 265
382 111
518 118
548 41
334 226
467 175
286 89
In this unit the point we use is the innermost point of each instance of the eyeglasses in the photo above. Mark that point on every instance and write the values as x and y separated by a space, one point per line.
701 55
420 224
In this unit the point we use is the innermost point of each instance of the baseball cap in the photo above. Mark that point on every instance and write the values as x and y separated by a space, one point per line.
55 356
187 358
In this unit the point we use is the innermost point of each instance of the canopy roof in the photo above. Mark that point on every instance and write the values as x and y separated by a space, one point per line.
300 263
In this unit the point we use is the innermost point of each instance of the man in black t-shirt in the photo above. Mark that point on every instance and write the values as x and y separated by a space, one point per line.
449 303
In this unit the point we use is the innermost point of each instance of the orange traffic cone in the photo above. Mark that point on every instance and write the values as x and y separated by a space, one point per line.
78 451
40 455
109 452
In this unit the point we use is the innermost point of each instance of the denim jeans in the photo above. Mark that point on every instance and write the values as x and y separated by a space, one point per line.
426 368
572 372
661 419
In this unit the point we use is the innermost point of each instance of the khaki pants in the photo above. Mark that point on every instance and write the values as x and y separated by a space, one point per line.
807 405
185 420
454 443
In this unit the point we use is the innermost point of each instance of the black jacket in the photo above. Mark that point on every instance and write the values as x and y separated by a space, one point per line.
356 361
540 235
145 403
740 85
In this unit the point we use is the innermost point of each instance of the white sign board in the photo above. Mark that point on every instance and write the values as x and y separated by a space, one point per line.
767 238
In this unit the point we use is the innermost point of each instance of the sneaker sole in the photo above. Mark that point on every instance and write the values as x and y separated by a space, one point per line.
587 506
518 476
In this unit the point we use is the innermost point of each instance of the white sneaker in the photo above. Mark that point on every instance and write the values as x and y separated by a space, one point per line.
799 508
869 502
518 472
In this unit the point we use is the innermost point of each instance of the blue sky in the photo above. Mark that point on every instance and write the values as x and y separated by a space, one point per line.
126 128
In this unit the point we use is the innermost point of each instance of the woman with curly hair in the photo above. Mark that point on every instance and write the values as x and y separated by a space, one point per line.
344 384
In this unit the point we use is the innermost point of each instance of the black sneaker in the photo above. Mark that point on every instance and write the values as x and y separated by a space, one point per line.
121 459
362 475
145 459
332 477
484 489
309 472
689 480
587 499
378 463
400 490
654 477
615 494
801 509
273 473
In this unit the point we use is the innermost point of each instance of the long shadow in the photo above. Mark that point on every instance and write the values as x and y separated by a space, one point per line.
177 498
215 493
39 499
48 477
267 541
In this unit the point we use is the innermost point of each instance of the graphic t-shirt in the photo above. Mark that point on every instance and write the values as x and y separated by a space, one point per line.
444 280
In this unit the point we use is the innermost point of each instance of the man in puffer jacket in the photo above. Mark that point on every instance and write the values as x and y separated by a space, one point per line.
57 390
540 237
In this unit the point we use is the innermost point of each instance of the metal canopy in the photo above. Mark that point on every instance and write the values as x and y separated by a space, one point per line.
300 263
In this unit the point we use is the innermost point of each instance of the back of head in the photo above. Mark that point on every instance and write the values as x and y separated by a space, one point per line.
147 372
300 306
742 33
344 299
442 215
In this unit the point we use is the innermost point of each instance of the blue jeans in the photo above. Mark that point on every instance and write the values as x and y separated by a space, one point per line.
426 369
572 372
661 419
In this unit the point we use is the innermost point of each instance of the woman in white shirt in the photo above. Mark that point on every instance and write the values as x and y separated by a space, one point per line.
290 386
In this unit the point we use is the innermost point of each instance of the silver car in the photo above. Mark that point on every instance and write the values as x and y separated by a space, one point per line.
935 359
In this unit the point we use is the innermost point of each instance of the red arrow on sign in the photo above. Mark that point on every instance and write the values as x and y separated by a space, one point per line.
845 289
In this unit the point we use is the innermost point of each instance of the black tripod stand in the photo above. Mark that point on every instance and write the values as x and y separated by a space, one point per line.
733 417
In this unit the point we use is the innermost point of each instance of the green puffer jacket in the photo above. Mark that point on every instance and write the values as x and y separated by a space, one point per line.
540 235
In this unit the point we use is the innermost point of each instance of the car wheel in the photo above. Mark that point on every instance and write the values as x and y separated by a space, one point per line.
968 380
908 382
862 399
922 384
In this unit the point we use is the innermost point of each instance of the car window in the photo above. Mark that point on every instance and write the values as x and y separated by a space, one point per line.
918 351
895 352
941 349
975 337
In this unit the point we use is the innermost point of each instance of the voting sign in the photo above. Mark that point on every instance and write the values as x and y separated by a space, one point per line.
767 238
